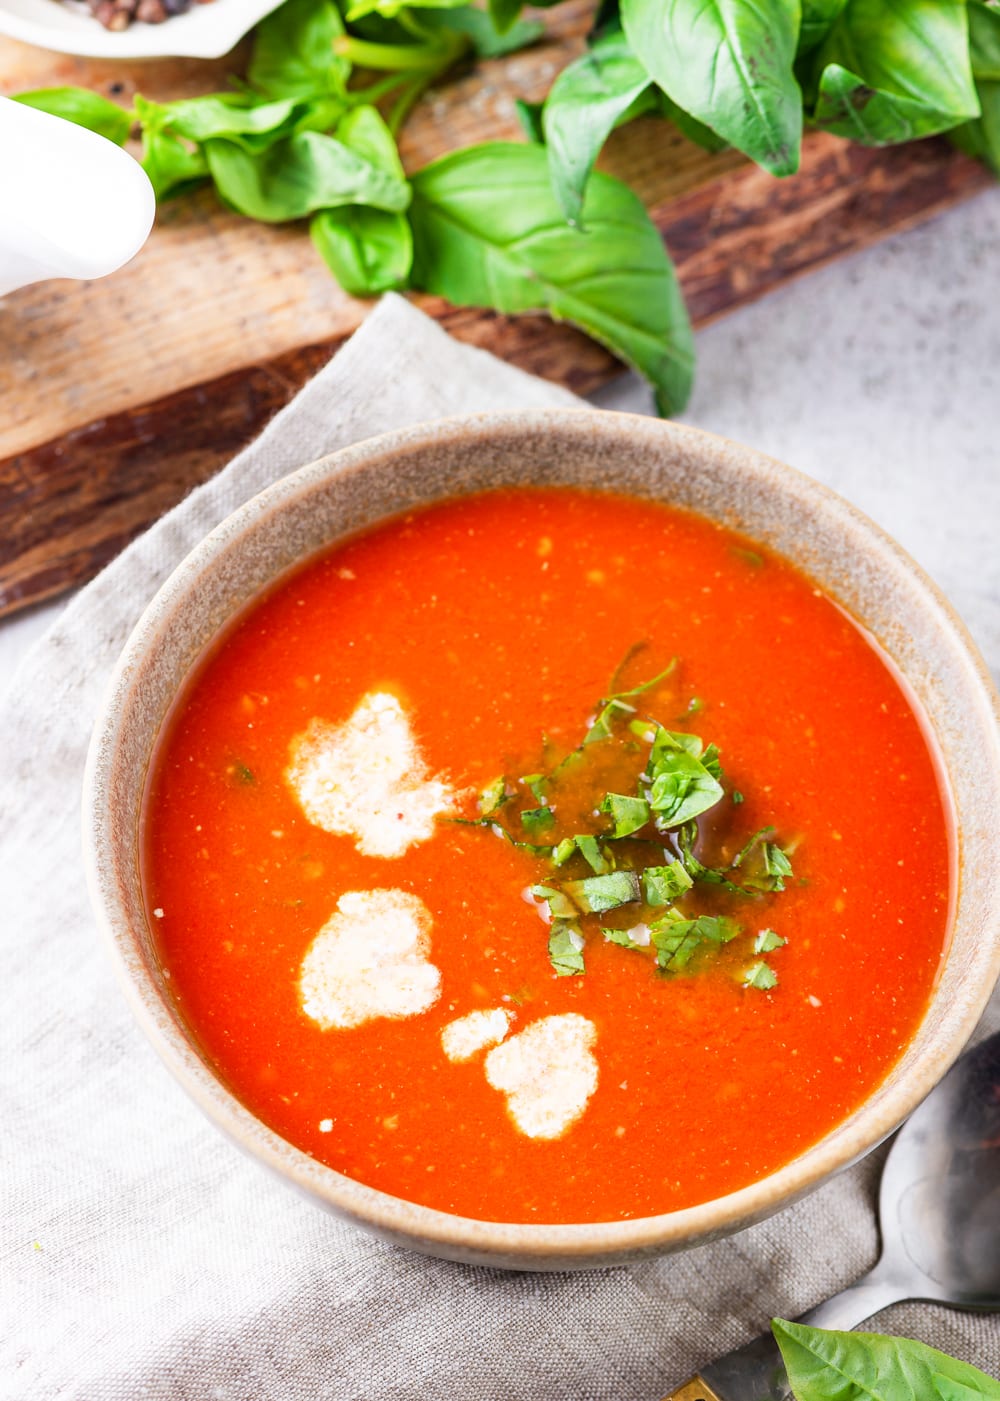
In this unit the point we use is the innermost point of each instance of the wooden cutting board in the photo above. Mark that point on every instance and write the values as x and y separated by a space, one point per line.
119 396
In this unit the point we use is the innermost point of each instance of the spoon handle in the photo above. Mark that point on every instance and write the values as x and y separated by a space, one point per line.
872 1293
756 1372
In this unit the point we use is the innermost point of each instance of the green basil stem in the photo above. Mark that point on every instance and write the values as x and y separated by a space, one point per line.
416 66
402 58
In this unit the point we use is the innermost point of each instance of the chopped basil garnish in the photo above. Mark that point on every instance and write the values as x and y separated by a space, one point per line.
590 849
776 865
560 905
760 975
623 937
641 789
566 948
492 797
661 885
677 939
630 814
536 820
597 894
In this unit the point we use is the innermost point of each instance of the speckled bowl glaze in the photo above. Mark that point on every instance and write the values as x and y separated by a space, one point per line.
845 553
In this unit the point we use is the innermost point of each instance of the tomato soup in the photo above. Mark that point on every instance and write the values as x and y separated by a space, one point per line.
548 856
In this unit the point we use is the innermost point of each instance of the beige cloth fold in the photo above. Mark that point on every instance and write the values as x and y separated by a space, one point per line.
142 1255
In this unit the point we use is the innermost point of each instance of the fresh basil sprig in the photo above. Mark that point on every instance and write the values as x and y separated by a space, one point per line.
754 73
825 1365
312 135
488 232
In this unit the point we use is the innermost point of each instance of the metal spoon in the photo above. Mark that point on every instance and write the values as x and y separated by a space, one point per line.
939 1212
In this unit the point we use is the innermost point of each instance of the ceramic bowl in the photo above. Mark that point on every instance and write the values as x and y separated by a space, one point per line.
204 31
848 556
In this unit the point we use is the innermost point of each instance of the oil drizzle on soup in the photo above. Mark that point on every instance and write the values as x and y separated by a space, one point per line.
385 999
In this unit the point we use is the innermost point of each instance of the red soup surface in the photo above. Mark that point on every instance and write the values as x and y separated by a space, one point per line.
328 927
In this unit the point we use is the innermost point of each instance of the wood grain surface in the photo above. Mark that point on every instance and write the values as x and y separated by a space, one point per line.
120 395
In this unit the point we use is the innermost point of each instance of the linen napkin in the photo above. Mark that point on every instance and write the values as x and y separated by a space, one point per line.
145 1257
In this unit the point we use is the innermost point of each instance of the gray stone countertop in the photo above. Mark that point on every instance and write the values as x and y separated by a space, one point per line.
879 375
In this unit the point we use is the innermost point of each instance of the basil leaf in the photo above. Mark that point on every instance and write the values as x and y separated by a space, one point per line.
603 726
824 1365
673 741
984 41
367 250
566 948
750 846
981 137
597 894
776 865
585 103
503 13
232 115
488 231
172 164
535 820
689 126
677 939
682 789
390 9
729 64
623 938
493 796
486 39
663 884
560 906
84 108
760 975
766 941
630 814
293 53
894 73
537 783
363 130
589 848
250 123
848 106
818 18
173 167
298 175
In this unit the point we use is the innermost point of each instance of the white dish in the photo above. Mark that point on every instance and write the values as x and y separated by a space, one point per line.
75 204
205 31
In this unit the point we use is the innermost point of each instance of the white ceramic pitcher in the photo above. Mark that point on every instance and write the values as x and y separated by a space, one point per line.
72 204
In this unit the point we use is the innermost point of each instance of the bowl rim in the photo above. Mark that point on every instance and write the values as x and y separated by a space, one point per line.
523 1245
